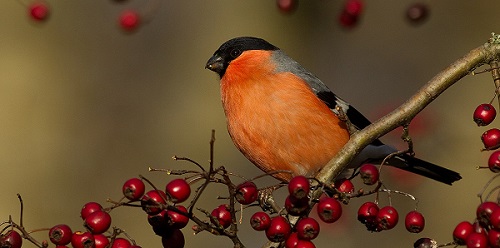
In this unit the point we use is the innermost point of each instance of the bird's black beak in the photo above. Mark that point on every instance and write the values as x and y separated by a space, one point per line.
216 64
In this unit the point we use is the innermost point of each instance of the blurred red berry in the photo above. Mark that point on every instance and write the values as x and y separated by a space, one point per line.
133 189
484 114
89 208
462 231
299 187
279 230
417 13
491 139
414 222
39 11
178 190
246 193
60 234
353 7
369 174
129 20
260 221
329 209
387 218
287 6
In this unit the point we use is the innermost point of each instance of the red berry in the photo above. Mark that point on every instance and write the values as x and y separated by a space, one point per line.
279 230
369 174
329 209
292 240
11 239
425 243
101 241
494 238
129 20
495 219
60 234
307 228
491 139
348 21
159 219
299 187
414 222
82 240
39 11
287 6
152 202
344 186
98 222
133 189
296 207
494 162
462 231
484 211
417 13
353 7
89 208
260 221
367 214
177 220
121 243
174 239
484 114
477 240
222 214
246 193
305 244
387 218
178 190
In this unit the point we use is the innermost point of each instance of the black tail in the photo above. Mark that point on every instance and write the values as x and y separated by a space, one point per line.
424 168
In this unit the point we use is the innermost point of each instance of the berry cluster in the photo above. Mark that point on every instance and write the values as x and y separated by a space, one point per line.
352 11
484 231
97 233
293 225
129 20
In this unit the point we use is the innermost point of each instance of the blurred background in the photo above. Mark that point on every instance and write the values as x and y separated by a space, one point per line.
84 106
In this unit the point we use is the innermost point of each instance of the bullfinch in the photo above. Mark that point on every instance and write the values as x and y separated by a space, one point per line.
282 117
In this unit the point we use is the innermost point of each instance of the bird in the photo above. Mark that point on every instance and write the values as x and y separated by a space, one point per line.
282 117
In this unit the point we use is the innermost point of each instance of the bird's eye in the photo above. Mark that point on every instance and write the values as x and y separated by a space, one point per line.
235 52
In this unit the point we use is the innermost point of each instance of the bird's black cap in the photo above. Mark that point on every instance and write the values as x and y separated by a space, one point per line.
233 48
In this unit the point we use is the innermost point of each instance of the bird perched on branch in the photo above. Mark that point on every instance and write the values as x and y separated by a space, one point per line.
282 117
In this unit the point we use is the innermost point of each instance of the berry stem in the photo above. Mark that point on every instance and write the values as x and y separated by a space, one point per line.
480 194
495 73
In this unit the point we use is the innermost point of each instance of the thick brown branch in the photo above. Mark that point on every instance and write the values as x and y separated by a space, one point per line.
403 114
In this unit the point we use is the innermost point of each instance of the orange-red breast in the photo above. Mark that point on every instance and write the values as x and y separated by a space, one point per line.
282 117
